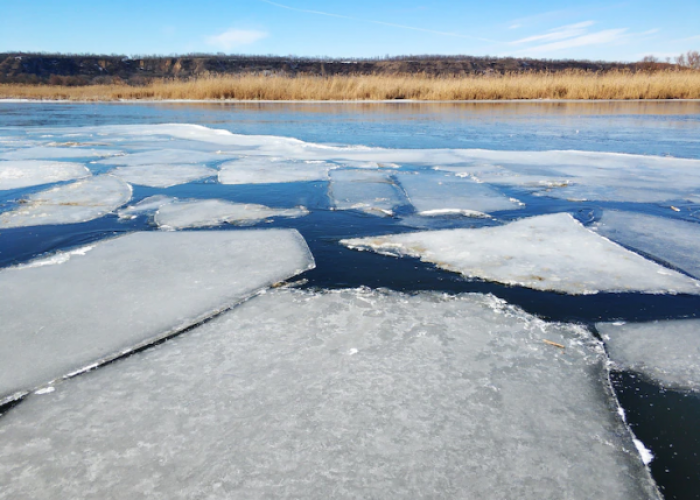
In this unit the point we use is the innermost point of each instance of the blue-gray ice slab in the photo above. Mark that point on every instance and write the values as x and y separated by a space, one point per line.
74 309
80 201
340 394
370 191
264 170
673 241
57 153
435 193
163 176
582 175
164 156
548 252
181 214
20 174
146 206
666 351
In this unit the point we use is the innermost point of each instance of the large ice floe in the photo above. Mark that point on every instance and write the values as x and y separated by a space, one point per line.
666 351
180 214
57 153
340 394
548 252
437 193
66 312
164 156
20 174
673 241
163 175
265 170
370 191
80 201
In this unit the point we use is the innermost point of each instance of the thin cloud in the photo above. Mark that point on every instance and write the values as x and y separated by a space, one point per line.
233 38
561 33
597 38
393 25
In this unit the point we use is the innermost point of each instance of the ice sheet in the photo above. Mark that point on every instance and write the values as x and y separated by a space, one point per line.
667 351
145 206
344 394
164 156
369 191
264 170
673 241
438 193
57 153
20 174
64 313
202 213
549 252
163 175
80 201
562 174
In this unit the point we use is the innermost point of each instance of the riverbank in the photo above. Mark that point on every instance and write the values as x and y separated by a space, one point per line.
517 86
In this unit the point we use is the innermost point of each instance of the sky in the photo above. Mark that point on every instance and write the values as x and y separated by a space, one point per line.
624 31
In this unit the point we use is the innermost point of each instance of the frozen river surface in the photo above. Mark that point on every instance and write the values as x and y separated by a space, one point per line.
352 301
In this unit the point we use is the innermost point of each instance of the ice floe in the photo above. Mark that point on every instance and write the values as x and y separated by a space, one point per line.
74 309
437 193
163 175
666 351
80 201
182 214
344 394
368 191
263 170
20 174
57 153
670 240
164 156
145 206
548 252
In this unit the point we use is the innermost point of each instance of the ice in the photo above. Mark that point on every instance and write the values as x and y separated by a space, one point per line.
666 351
80 201
145 206
673 241
263 170
202 213
163 175
438 193
20 174
369 191
582 175
164 156
57 153
342 394
61 316
574 175
548 252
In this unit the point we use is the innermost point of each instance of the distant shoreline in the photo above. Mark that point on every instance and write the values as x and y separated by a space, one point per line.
530 87
342 101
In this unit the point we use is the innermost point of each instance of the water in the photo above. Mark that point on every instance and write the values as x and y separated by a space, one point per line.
663 129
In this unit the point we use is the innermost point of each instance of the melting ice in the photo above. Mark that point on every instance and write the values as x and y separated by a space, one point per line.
263 170
163 175
20 174
80 201
61 315
666 351
347 394
548 252
370 191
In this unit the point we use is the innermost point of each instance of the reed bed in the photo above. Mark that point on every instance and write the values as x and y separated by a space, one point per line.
562 85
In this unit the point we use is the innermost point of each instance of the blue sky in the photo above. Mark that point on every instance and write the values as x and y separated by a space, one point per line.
358 28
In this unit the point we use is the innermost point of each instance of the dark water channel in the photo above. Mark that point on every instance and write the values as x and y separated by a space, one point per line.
668 422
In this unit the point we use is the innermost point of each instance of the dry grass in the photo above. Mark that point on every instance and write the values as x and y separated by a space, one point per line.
564 85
